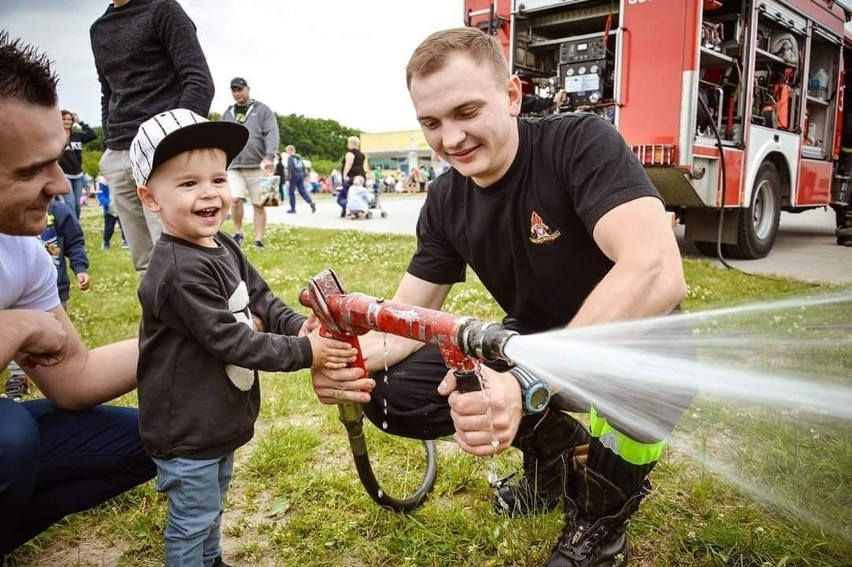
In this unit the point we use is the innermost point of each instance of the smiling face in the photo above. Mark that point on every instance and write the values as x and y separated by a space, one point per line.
31 142
468 116
190 194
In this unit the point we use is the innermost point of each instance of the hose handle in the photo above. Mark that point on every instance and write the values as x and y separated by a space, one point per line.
467 382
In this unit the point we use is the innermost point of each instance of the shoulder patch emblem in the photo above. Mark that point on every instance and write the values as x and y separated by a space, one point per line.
540 233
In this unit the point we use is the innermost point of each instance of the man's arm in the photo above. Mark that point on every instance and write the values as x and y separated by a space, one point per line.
647 278
84 378
106 93
270 128
180 39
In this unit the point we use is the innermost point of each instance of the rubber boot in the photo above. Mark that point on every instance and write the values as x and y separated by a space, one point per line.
596 517
539 489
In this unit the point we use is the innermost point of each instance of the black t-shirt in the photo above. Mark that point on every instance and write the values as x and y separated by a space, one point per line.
529 236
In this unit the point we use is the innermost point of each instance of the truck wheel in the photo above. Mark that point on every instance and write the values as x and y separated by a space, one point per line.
758 224
706 248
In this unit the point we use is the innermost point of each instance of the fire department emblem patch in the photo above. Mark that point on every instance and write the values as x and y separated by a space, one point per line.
540 233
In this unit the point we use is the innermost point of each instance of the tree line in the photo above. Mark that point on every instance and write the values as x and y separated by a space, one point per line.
319 140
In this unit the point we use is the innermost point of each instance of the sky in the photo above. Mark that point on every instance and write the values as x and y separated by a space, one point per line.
337 59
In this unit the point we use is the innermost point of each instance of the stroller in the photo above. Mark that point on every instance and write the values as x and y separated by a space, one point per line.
376 201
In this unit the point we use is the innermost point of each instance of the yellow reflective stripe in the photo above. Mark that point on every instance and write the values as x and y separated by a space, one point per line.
633 452
846 150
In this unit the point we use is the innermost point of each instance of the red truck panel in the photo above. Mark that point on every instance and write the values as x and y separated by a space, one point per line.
653 67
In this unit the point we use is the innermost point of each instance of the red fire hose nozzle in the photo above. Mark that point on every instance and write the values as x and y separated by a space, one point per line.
462 340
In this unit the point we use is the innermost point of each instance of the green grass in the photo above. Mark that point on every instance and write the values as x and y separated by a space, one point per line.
296 499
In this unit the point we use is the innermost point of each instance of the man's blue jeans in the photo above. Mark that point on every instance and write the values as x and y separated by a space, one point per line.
55 462
196 489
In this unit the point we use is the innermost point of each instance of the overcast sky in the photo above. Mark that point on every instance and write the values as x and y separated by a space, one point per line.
338 59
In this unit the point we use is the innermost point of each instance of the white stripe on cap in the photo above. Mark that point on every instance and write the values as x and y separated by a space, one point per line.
149 136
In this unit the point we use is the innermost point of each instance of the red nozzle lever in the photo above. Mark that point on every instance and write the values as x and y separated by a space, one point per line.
314 296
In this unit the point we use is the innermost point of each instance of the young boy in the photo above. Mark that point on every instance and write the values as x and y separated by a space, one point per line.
358 202
63 239
209 323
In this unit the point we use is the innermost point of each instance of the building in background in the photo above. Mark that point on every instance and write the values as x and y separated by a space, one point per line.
397 151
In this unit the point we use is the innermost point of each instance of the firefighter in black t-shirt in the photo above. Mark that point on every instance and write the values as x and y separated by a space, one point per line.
558 219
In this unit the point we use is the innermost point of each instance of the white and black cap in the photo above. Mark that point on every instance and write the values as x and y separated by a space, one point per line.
176 131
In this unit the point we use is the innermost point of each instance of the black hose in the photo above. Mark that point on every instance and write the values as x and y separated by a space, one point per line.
724 184
352 417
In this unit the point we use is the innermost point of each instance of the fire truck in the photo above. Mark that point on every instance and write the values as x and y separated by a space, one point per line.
734 107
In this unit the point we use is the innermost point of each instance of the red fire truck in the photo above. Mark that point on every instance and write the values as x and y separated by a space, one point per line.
733 106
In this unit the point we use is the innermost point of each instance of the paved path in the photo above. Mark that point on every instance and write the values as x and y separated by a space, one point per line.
805 248
402 212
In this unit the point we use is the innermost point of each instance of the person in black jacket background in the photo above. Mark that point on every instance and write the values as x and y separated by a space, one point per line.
77 133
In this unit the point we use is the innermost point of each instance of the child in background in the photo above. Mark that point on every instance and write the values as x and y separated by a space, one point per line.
209 323
358 202
110 214
63 239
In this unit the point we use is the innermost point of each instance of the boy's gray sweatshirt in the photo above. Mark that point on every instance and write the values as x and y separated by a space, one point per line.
263 135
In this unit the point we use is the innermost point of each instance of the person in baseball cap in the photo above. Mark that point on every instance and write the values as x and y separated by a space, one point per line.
238 83
171 133
200 341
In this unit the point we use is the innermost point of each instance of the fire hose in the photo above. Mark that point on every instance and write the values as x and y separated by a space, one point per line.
463 342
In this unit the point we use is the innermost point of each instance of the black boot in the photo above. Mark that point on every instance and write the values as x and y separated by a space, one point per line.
596 516
543 445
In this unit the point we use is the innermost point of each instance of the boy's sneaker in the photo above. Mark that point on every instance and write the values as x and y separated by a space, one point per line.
238 238
259 245
16 387
124 244
105 246
313 207
219 563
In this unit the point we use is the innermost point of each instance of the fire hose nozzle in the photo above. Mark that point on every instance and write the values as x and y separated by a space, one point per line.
484 340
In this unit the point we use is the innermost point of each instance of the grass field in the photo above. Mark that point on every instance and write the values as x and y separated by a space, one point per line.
296 499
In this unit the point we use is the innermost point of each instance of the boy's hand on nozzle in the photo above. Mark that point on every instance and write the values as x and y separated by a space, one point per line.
330 353
83 280
309 325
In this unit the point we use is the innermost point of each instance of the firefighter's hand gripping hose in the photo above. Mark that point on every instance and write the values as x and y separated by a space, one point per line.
463 342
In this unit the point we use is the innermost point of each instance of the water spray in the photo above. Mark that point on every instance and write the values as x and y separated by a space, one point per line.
464 342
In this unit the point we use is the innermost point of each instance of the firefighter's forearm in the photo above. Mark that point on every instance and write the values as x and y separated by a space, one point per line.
633 291
384 349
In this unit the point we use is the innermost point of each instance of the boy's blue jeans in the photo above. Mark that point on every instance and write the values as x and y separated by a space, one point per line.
55 462
196 489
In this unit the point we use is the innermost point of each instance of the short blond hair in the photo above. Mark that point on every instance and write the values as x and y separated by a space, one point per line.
354 141
434 52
